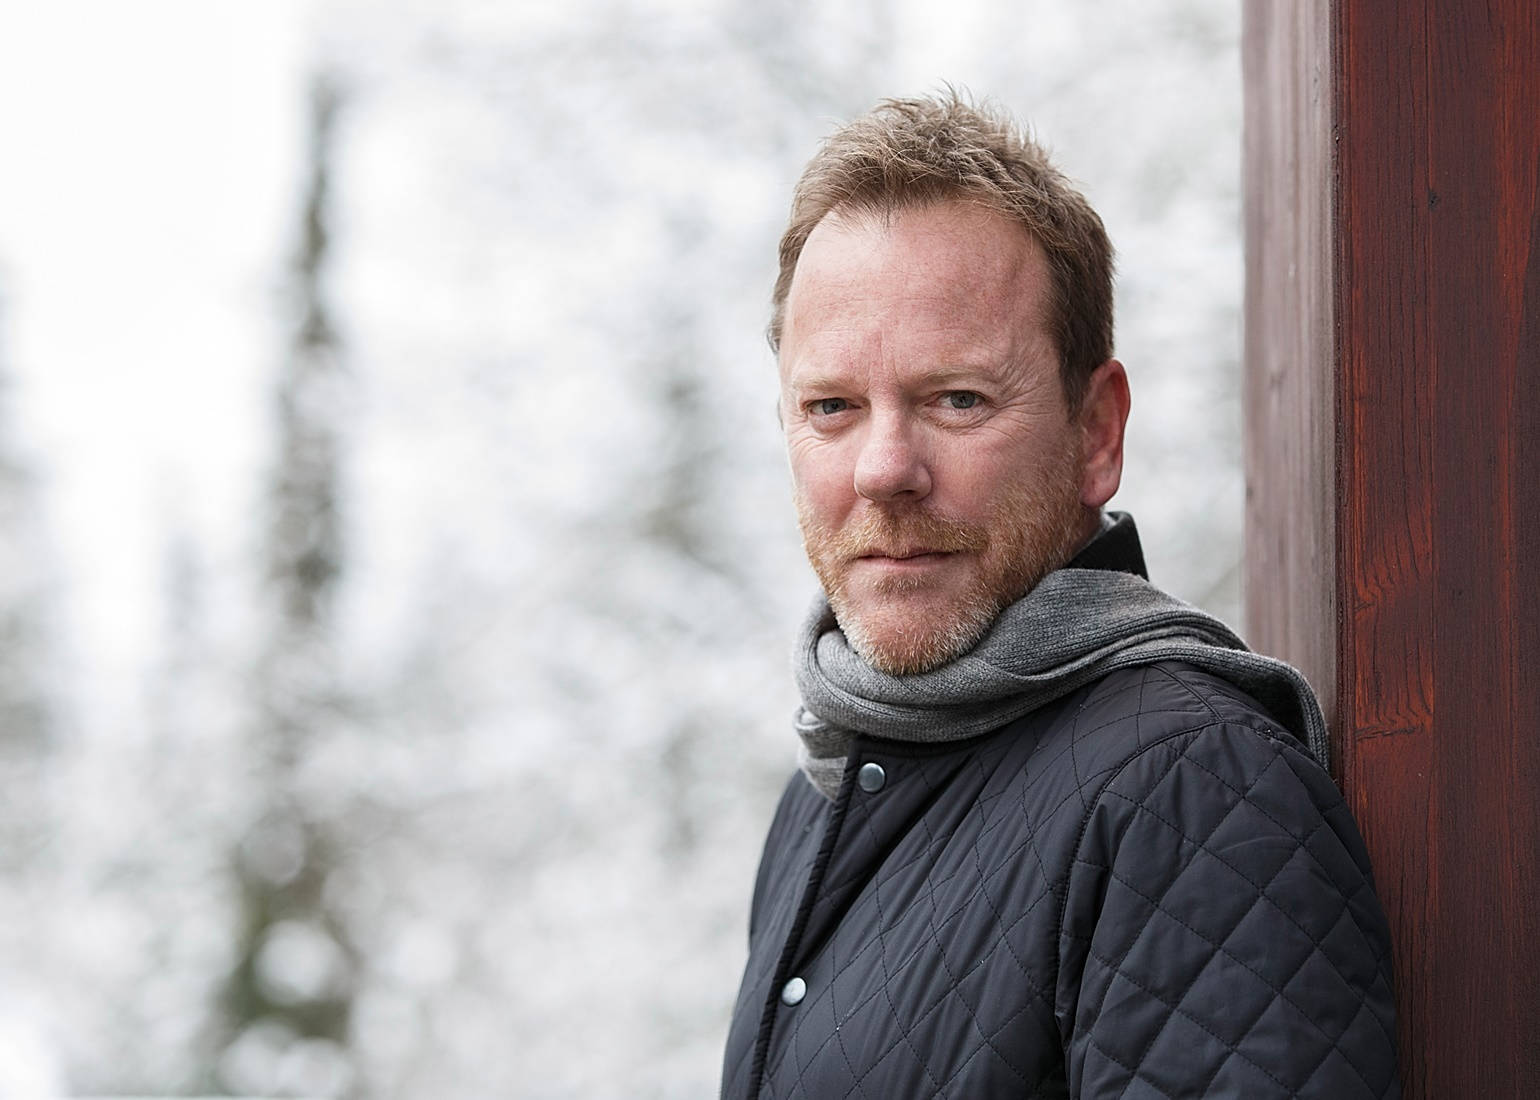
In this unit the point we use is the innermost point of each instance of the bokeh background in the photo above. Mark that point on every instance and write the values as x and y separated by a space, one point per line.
397 571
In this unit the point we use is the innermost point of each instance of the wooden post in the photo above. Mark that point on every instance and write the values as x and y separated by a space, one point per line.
1393 515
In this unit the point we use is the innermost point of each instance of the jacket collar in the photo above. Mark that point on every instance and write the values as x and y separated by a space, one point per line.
1114 548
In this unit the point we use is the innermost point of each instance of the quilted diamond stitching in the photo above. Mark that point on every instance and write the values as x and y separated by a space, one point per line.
1175 1009
983 961
1133 1074
1099 699
1117 966
1279 989
956 981
882 958
965 904
840 1039
1279 753
955 992
942 1000
1203 846
1037 991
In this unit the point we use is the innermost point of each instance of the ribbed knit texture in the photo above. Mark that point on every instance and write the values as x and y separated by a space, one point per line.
1076 626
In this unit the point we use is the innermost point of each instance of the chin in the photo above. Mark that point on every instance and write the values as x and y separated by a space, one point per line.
909 640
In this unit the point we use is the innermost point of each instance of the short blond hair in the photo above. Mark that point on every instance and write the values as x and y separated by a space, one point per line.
914 152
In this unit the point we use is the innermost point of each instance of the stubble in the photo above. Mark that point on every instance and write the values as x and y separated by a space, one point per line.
1035 529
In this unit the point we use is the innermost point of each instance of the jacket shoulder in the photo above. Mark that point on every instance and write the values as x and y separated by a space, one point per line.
1165 699
1080 743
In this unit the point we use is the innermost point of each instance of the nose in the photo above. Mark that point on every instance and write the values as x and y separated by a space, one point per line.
891 466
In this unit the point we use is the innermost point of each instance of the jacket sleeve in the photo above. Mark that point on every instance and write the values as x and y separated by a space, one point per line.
1221 935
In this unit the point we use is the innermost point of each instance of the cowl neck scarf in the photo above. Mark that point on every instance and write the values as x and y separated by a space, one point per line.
1075 627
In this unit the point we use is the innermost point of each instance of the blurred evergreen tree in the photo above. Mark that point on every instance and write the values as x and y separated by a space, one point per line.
287 1002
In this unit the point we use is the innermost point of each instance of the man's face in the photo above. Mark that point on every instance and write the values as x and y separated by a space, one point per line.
936 468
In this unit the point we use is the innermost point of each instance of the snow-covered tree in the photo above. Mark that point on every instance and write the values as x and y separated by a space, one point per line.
287 1002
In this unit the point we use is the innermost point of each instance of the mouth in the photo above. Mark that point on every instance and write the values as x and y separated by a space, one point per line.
917 555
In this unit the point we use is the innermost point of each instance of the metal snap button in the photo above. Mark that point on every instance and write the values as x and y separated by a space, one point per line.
871 777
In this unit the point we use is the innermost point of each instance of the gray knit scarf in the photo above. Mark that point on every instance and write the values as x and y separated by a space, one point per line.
1076 626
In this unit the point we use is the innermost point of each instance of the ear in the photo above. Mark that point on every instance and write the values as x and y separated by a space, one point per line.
1102 417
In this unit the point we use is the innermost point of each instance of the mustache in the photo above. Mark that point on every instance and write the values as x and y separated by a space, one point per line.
901 534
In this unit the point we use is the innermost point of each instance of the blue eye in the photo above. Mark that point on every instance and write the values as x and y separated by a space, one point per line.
828 406
961 399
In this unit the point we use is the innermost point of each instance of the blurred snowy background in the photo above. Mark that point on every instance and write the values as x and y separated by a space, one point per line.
396 566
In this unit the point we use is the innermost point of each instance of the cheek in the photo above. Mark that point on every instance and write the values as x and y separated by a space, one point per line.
977 480
974 470
822 476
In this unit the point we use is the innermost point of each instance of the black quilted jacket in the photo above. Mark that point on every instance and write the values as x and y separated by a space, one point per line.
1145 889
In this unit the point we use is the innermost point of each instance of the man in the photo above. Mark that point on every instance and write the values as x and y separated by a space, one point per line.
1056 833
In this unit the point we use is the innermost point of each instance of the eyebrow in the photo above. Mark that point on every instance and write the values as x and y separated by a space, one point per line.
931 376
957 372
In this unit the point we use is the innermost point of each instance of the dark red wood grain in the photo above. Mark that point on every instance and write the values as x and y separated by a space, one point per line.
1435 315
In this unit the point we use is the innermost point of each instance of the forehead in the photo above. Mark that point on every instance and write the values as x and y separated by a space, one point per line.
949 271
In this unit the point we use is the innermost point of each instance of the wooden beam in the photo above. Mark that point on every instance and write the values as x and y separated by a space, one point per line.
1432 611
1290 600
